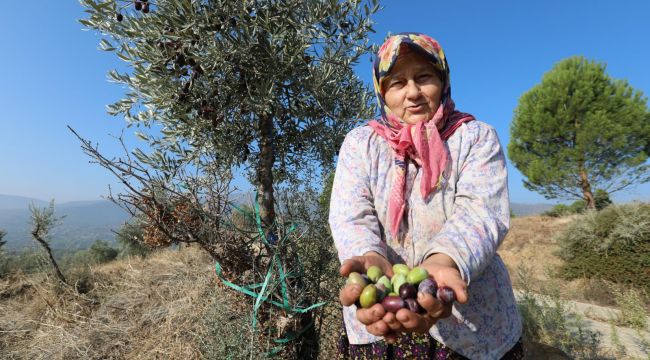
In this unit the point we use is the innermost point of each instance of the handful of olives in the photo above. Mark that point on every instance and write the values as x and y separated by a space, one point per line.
400 291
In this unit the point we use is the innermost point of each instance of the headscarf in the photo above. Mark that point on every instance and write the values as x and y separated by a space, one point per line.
421 142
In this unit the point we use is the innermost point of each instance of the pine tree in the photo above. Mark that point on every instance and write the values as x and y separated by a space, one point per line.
580 129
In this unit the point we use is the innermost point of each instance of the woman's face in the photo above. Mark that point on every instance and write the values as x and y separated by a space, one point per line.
412 90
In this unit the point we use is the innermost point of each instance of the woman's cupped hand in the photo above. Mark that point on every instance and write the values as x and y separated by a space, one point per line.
380 322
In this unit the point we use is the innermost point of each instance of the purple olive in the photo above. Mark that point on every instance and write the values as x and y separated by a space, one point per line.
392 303
446 295
407 291
428 286
413 305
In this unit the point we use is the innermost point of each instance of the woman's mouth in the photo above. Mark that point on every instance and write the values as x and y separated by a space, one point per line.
416 108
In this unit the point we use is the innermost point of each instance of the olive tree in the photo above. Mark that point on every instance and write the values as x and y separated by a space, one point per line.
42 221
266 86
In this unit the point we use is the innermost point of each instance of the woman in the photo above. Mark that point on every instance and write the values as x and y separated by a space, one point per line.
424 185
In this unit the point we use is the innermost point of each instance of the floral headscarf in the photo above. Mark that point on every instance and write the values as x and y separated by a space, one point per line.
421 142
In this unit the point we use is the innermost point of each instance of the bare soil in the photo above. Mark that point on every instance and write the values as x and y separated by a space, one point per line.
531 249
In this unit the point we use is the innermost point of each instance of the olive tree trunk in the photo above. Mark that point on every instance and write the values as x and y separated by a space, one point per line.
47 248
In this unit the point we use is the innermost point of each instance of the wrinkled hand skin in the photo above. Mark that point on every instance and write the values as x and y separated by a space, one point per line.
350 293
382 323
445 272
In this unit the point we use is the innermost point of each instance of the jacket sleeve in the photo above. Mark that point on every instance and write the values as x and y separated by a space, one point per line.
352 218
481 213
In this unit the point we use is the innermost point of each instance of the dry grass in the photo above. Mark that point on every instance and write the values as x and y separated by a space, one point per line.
171 306
532 242
134 308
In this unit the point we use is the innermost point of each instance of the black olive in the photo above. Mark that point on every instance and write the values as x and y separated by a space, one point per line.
216 120
119 17
180 60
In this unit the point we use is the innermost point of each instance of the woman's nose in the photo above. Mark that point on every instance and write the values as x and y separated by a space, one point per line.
412 89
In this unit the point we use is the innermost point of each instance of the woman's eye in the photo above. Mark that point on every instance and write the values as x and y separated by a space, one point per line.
395 83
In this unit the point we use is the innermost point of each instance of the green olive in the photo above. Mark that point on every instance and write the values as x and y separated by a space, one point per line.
374 273
384 280
401 269
356 278
397 281
416 275
368 296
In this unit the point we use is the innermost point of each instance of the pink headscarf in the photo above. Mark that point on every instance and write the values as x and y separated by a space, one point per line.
421 142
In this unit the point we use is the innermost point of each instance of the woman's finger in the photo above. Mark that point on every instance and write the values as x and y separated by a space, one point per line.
460 290
434 307
349 294
413 322
378 328
446 312
355 263
371 315
429 303
392 322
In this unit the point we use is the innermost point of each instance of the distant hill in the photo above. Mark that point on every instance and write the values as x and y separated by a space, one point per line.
88 221
84 222
18 202
520 209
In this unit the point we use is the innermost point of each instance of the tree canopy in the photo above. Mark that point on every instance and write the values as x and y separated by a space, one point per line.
265 85
580 129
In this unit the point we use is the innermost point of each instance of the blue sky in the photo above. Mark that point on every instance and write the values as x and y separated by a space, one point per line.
53 76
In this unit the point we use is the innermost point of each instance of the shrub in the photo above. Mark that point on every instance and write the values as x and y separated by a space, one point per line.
632 307
578 207
612 244
601 197
130 241
100 252
547 320
560 210
2 242
28 262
